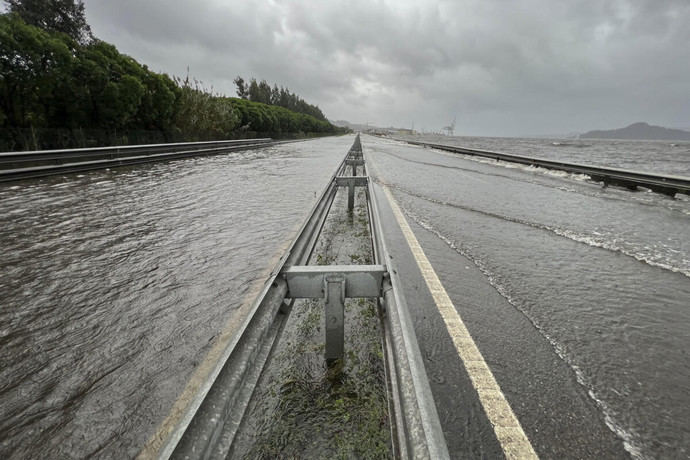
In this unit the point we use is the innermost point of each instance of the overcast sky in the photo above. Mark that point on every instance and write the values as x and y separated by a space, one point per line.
502 67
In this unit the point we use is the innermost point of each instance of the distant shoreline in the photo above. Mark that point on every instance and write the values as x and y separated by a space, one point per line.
641 132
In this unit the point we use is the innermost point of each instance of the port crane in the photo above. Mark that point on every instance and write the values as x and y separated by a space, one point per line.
450 129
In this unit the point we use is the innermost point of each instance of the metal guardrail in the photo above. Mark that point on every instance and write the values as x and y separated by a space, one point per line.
666 184
40 163
416 428
208 427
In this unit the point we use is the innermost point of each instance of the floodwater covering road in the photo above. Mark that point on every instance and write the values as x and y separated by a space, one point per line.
577 296
115 284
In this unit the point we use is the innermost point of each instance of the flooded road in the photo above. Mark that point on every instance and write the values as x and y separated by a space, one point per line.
114 284
602 275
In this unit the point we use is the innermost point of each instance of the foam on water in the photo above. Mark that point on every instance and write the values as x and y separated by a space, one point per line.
642 196
652 256
654 156
619 325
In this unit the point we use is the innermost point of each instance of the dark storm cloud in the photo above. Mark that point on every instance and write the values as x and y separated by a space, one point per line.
501 67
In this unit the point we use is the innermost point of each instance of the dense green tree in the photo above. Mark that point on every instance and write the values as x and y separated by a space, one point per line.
159 103
253 90
55 92
275 95
65 16
262 92
34 72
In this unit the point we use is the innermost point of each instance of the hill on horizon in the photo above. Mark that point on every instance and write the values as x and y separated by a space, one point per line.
639 131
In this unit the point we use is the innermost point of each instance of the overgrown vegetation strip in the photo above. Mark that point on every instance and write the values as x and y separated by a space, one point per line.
63 88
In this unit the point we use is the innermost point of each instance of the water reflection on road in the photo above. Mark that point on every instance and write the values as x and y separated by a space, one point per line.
115 282
602 274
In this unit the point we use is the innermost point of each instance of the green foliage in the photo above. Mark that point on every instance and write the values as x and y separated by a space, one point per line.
262 92
33 68
267 119
242 90
56 93
64 16
203 115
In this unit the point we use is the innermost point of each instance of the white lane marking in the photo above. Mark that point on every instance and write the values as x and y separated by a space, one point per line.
506 426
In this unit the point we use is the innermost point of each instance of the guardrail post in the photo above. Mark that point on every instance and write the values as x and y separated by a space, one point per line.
351 196
334 288
351 182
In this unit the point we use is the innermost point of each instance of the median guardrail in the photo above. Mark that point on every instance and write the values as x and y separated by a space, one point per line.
210 422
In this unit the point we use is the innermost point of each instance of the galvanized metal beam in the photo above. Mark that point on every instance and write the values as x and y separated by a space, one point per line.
208 430
358 181
354 162
308 281
351 182
26 165
9 160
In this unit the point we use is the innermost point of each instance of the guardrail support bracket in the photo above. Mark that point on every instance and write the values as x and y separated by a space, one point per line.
351 182
334 283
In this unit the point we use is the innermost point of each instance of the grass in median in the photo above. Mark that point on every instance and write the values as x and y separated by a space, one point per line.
302 408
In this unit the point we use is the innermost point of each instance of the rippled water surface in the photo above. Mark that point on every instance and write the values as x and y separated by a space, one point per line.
602 273
115 282
664 157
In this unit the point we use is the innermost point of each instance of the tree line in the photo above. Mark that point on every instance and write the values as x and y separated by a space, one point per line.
282 97
60 87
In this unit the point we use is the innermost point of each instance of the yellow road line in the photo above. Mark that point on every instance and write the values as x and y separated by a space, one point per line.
506 426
